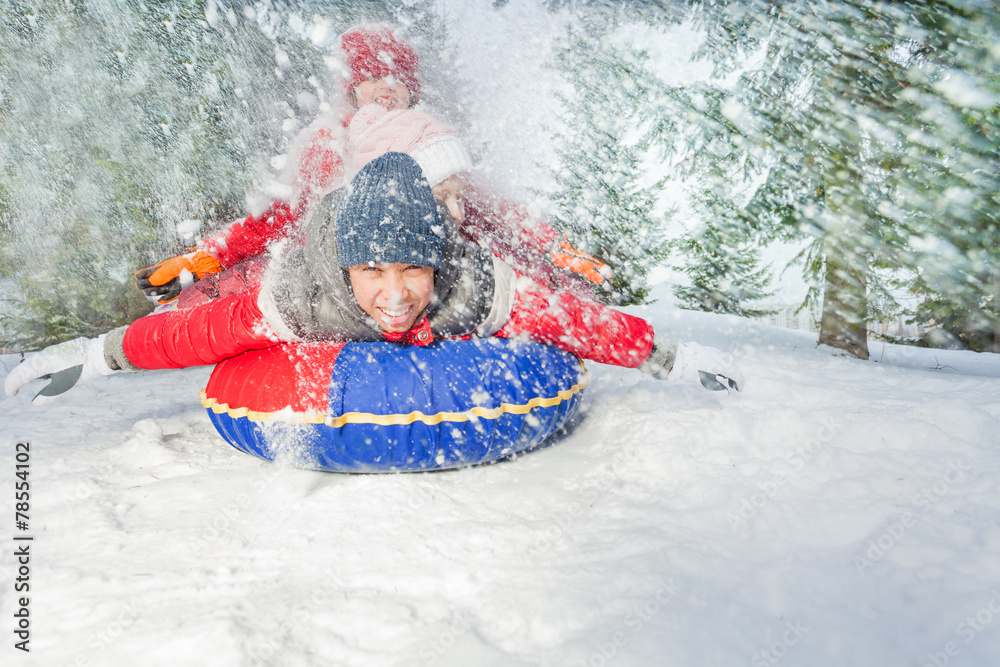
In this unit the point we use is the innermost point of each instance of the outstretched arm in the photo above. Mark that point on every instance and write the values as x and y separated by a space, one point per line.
318 168
528 243
197 336
593 331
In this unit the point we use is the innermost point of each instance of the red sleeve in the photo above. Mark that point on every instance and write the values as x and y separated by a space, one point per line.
251 237
506 223
520 240
198 336
580 326
321 166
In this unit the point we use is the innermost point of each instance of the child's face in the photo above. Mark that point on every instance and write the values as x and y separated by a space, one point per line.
386 91
394 295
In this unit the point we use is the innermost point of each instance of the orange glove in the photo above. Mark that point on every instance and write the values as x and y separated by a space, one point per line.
589 267
161 282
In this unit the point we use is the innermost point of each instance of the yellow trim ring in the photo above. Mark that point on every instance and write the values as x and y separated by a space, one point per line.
396 419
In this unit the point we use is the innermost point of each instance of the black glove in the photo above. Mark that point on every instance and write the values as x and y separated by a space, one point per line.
161 282
164 293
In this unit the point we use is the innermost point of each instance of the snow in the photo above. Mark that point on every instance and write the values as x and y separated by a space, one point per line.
961 89
507 56
836 512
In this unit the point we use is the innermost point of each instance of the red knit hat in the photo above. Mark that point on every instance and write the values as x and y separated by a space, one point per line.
373 52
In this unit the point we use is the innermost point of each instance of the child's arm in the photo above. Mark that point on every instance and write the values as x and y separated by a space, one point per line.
318 168
251 236
528 243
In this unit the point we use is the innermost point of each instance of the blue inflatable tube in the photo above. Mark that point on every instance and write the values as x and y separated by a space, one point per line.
379 407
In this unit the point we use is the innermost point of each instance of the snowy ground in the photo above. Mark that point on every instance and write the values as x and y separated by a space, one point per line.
838 512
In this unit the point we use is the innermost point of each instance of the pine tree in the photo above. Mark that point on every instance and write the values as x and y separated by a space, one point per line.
722 260
826 123
720 248
949 175
121 120
611 122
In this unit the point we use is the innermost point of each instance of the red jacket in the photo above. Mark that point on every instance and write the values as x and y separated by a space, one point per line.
579 326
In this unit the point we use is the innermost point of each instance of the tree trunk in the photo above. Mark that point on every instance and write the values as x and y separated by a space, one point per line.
993 308
844 324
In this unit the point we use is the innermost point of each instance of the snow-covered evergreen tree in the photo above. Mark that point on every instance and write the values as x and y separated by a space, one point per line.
720 247
721 257
948 175
826 121
611 119
121 120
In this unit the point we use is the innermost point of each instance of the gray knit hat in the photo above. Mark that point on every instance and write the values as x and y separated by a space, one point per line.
389 215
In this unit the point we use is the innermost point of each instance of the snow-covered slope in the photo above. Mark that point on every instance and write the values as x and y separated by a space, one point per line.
837 512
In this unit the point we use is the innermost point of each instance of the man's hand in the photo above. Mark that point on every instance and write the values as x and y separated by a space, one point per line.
707 366
67 364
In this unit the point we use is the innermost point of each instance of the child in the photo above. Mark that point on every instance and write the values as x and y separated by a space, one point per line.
381 264
381 69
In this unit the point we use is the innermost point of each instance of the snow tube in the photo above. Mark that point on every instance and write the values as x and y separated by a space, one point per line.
379 407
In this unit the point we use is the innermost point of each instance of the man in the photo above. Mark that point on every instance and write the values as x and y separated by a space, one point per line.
383 262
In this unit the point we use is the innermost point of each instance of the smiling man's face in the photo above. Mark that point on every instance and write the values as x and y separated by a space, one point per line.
394 295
